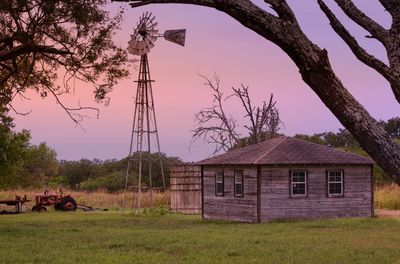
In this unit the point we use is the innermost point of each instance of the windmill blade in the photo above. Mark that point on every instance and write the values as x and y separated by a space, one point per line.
176 36
145 34
149 43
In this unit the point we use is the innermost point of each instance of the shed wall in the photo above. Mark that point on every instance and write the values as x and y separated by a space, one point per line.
229 207
276 202
185 182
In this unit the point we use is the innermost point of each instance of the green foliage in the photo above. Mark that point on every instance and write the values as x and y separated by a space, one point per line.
110 174
40 165
343 140
109 237
153 160
13 151
392 126
111 182
75 172
23 164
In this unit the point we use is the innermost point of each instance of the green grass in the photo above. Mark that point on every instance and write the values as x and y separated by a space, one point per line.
109 237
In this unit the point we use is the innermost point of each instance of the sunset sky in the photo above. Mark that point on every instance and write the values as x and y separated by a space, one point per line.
215 43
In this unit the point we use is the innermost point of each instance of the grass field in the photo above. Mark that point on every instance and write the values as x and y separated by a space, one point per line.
110 237
386 197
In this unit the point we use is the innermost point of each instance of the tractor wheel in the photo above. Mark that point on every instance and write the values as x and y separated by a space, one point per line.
67 204
39 209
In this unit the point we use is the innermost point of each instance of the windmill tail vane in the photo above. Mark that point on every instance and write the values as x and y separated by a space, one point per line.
176 36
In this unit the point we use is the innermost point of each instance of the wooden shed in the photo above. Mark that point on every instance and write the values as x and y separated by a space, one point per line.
185 182
285 178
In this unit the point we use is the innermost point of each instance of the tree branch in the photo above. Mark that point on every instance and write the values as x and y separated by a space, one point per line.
357 50
355 14
209 3
27 48
392 6
282 9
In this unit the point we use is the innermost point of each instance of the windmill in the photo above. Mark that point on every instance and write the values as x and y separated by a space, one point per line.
144 125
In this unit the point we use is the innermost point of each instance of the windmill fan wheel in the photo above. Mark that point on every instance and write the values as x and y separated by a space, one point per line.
144 36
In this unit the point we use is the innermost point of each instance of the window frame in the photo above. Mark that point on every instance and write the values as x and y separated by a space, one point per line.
238 195
293 182
217 182
341 182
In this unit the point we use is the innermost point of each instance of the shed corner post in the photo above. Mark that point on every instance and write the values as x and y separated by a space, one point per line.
372 191
202 190
258 193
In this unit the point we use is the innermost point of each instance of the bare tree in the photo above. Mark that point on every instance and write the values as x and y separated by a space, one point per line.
212 124
264 121
313 62
42 39
215 126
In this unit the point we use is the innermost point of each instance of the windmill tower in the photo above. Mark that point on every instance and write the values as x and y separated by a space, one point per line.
144 128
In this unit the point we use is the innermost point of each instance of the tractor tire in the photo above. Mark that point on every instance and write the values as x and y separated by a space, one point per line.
67 204
39 209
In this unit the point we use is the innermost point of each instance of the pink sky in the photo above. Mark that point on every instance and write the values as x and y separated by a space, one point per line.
215 43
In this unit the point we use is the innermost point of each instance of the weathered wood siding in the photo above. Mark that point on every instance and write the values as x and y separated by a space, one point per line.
185 181
276 202
229 207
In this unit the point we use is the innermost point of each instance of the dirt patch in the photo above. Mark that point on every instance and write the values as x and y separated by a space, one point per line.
384 213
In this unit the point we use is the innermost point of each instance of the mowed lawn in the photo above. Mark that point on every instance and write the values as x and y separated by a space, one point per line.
110 237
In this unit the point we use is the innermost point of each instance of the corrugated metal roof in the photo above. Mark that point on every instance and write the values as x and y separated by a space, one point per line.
286 150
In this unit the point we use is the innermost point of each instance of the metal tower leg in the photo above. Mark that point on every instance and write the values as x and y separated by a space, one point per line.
145 120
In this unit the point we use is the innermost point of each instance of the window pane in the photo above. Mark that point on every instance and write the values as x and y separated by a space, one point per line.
299 188
219 183
238 176
299 176
220 188
335 182
335 175
335 188
219 177
238 189
239 183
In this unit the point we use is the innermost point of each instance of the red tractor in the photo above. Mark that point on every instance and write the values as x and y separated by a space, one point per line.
60 201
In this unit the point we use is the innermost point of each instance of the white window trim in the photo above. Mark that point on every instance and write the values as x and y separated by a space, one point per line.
237 182
293 182
341 183
219 182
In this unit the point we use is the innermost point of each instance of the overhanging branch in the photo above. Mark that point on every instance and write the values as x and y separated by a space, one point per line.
27 48
358 51
355 14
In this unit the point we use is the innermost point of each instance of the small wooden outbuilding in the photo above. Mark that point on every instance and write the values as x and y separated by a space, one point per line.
285 178
185 188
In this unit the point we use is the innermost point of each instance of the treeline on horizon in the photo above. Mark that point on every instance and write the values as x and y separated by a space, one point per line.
25 165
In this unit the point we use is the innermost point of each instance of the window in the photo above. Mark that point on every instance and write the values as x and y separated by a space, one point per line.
219 183
298 183
238 183
335 183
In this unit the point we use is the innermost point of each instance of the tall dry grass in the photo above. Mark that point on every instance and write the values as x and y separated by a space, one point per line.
98 199
387 197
